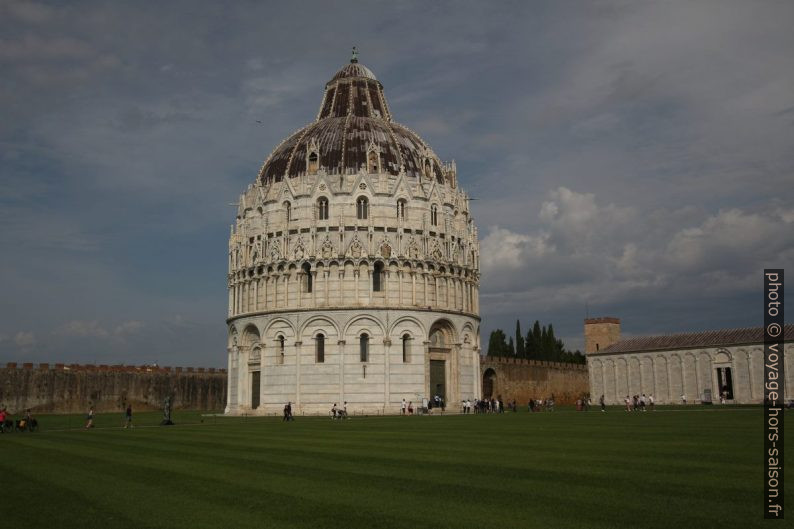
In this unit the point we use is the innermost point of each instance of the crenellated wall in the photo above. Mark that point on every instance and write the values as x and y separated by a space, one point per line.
73 388
521 379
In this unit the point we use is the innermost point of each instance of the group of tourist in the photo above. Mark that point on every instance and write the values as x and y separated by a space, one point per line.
639 402
541 404
339 413
25 423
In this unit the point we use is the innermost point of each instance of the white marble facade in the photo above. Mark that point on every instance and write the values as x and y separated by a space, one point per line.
689 371
351 281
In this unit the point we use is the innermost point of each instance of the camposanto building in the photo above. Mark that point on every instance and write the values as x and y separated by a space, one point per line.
700 366
353 267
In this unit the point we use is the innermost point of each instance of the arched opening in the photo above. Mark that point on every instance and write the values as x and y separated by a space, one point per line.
319 348
377 277
314 163
406 348
434 215
362 208
322 208
280 358
363 347
488 383
287 211
401 209
307 277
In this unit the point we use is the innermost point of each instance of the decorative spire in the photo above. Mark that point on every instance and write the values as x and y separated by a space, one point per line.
354 58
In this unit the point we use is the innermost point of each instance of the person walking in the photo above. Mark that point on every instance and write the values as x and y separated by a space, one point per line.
601 401
89 418
128 417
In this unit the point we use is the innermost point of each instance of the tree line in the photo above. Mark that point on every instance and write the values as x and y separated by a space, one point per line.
539 344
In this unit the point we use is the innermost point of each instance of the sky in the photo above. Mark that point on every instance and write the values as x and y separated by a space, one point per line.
629 159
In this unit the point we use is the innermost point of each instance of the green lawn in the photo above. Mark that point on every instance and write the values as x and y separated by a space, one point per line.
695 468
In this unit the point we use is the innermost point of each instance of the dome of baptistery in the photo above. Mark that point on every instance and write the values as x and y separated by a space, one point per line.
353 268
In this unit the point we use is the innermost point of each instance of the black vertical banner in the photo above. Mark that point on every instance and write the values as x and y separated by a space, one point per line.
774 399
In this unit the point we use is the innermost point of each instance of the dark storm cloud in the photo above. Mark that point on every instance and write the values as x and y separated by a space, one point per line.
634 157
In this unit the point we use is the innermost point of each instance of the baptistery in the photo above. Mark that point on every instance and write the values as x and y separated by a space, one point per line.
353 268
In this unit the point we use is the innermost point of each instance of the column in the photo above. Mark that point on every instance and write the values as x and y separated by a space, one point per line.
413 287
297 373
314 287
231 300
300 278
341 345
256 294
326 277
386 376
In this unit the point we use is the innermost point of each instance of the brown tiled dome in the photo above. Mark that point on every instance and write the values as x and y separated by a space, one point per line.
353 117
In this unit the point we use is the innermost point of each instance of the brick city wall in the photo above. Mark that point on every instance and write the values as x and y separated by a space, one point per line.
73 388
521 379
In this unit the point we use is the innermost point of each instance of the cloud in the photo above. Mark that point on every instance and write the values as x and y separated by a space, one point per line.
90 329
25 339
93 329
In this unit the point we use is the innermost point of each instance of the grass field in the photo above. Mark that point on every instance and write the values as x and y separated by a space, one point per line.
670 468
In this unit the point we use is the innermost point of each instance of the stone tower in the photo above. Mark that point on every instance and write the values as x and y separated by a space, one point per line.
353 267
600 333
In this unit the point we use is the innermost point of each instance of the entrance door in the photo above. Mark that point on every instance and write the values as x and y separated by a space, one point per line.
725 382
438 385
254 390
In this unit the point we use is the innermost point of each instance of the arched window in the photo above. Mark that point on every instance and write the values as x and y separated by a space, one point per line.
363 346
322 209
377 277
434 215
406 347
401 209
281 349
307 281
362 208
319 348
314 162
287 211
372 162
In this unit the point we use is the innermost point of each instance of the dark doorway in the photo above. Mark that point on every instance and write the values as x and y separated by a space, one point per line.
488 383
725 382
254 390
438 384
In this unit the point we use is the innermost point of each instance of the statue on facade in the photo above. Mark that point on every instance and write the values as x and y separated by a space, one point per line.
327 249
356 248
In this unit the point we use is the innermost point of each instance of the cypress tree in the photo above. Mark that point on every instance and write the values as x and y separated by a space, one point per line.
520 349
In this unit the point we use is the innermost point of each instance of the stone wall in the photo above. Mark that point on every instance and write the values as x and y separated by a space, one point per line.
520 379
61 388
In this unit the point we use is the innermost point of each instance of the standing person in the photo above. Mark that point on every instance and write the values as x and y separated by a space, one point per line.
3 414
404 407
287 412
601 401
683 399
650 401
628 403
411 408
128 416
643 399
89 418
